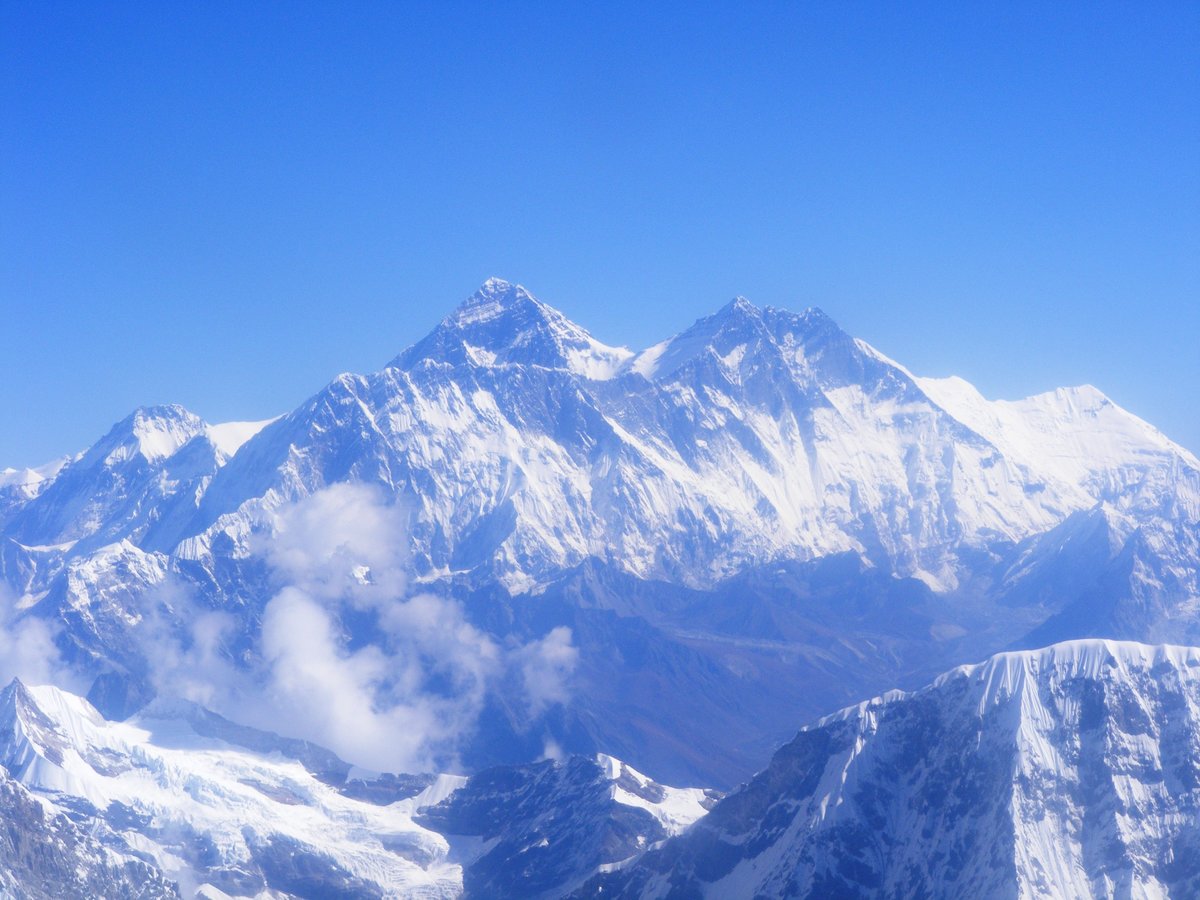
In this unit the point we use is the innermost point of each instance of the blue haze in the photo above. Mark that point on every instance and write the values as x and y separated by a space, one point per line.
225 205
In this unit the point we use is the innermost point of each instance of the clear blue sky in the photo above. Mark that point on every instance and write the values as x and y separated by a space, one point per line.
225 205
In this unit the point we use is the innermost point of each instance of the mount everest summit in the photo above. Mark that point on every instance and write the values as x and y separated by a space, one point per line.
527 544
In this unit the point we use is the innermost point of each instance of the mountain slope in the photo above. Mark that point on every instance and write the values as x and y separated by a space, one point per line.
202 810
546 827
1068 771
753 436
504 324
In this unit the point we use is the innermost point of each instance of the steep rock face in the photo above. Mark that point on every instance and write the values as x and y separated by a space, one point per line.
1068 771
45 856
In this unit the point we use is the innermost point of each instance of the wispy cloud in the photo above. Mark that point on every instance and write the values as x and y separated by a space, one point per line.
28 650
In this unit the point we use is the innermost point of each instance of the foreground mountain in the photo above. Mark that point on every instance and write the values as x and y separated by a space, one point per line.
180 802
1072 771
751 523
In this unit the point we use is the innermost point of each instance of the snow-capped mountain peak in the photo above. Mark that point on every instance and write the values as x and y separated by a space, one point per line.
1080 437
807 348
153 432
724 335
503 323
495 297
125 482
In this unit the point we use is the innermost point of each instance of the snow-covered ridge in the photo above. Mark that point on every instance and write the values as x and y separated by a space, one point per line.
1086 658
31 477
1003 675
538 831
1077 436
674 808
1072 770
154 433
502 324
205 811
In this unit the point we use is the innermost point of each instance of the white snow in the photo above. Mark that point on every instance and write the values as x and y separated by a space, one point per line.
596 361
32 477
191 784
228 437
1075 437
156 436
678 808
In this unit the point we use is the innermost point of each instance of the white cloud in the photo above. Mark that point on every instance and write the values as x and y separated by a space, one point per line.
552 751
337 697
187 647
345 542
545 667
400 694
28 651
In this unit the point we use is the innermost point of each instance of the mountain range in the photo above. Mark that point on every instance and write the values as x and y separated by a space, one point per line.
521 544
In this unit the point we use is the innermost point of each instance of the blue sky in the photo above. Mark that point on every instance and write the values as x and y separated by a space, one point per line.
225 205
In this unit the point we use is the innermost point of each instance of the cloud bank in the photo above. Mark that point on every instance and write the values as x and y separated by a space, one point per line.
28 651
